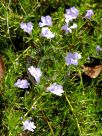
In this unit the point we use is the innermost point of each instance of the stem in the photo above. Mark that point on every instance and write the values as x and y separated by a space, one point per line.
33 105
22 7
8 31
78 126
49 124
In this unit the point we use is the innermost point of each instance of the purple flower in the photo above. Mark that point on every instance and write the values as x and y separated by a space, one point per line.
72 58
98 48
35 72
46 21
28 125
55 89
47 33
22 83
71 14
27 27
68 29
89 14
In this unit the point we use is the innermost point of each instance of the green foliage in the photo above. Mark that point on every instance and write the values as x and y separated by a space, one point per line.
78 111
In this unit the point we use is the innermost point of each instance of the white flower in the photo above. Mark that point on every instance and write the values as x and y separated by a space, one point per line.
28 125
22 83
35 72
55 89
47 33
73 26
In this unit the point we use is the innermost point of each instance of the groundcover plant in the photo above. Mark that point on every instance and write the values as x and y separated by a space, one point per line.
50 68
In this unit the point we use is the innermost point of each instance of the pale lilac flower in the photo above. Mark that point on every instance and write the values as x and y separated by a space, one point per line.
72 58
35 72
55 89
45 21
77 55
27 27
28 125
68 29
47 33
98 48
71 14
22 83
89 14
